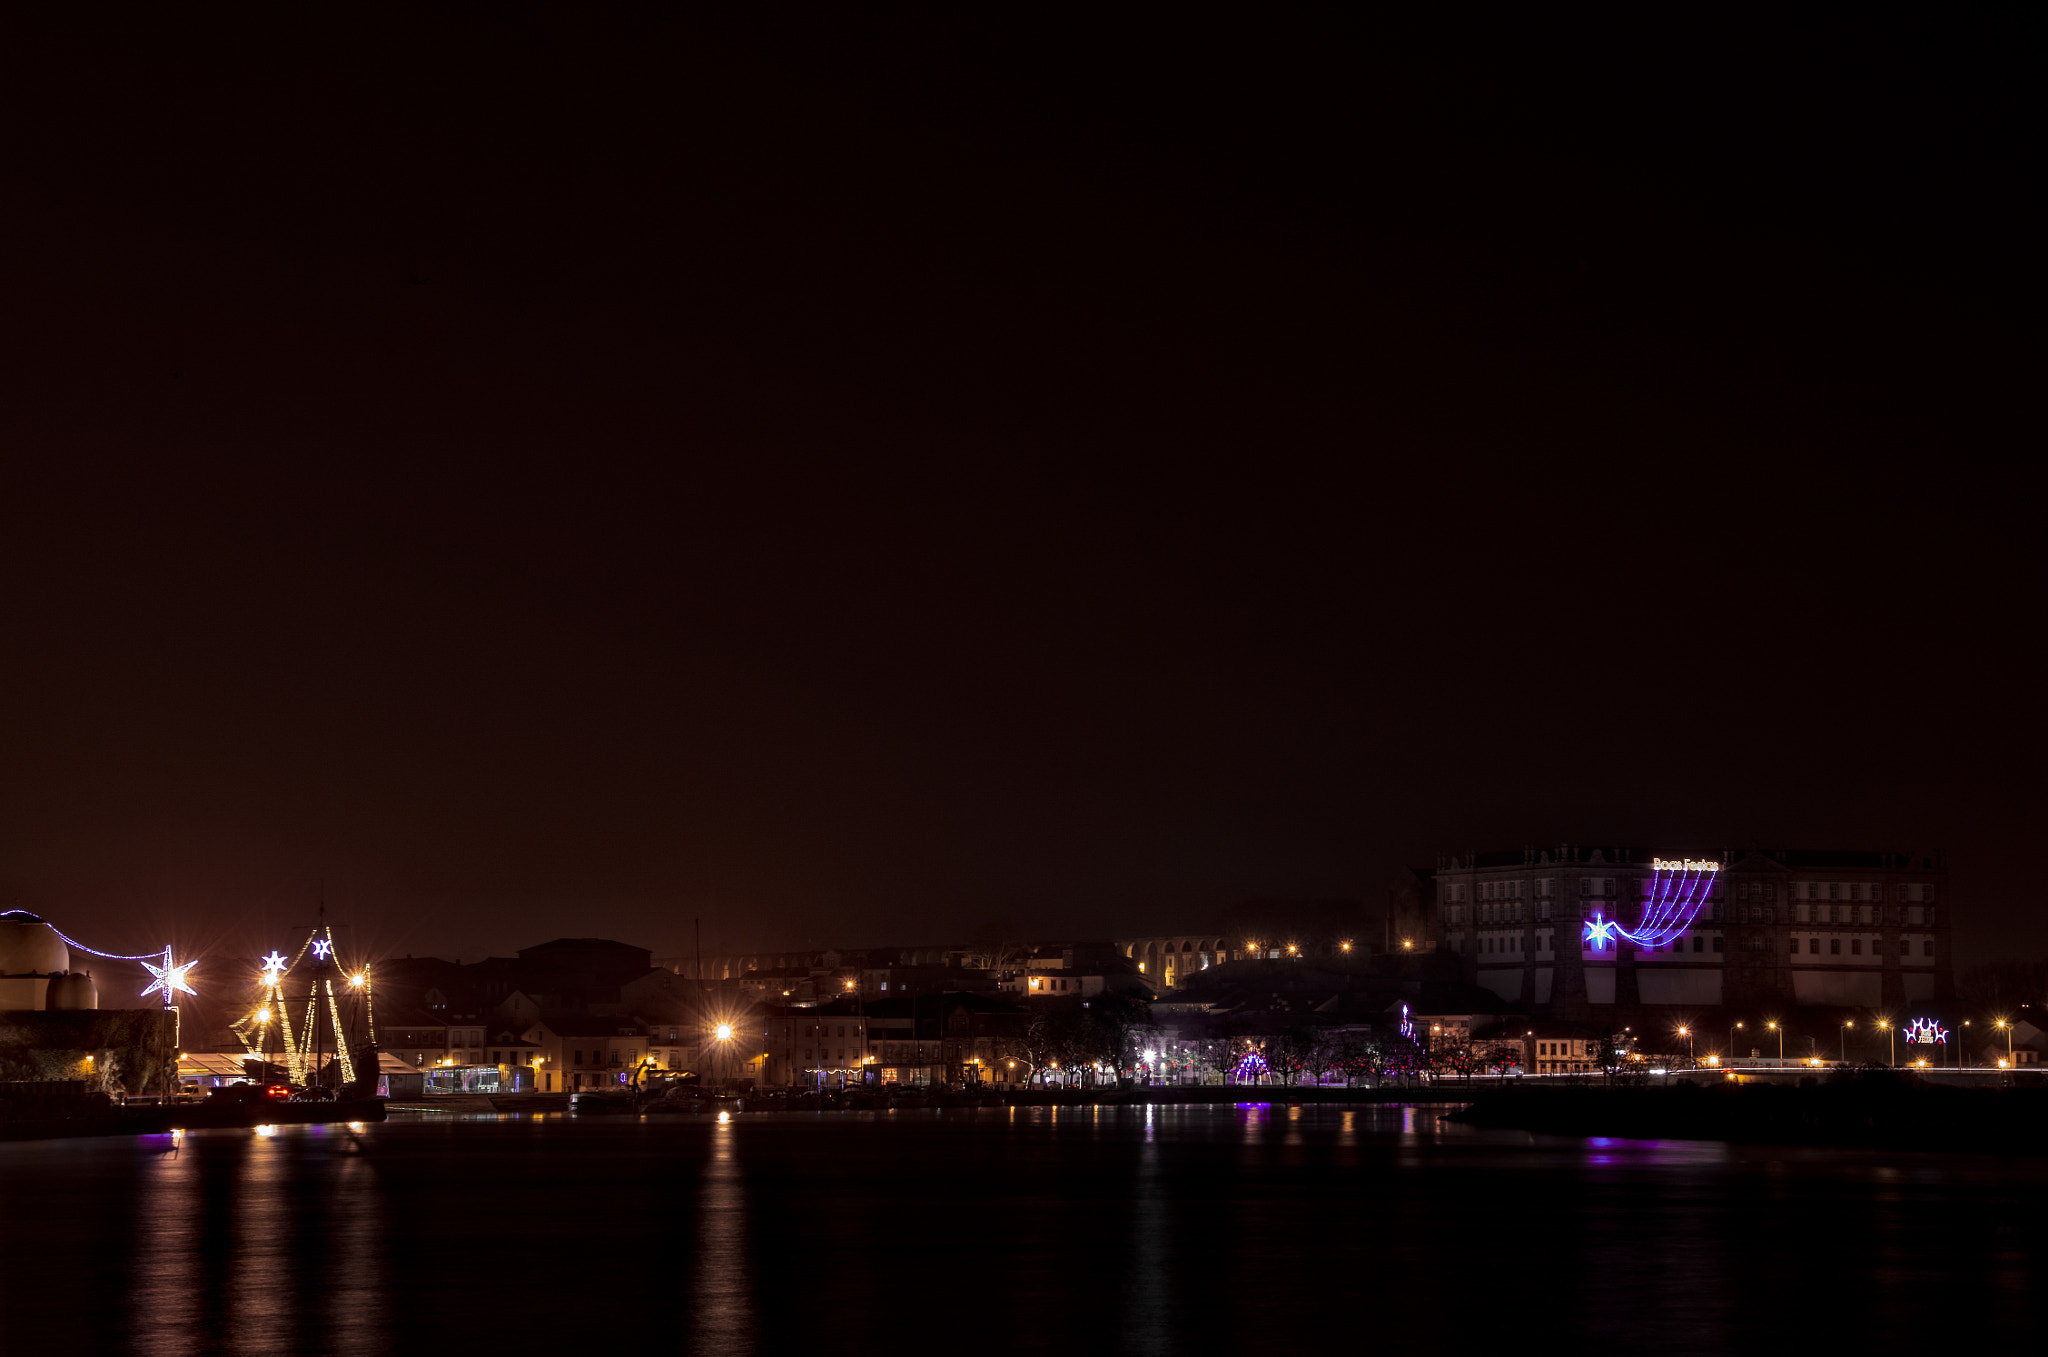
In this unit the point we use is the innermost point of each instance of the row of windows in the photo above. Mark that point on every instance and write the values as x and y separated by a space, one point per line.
1605 888
1912 892
1856 947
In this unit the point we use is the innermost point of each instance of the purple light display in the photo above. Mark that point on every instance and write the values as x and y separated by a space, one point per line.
1253 1066
1679 890
1926 1031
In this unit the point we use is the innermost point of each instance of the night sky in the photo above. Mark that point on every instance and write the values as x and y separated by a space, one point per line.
529 472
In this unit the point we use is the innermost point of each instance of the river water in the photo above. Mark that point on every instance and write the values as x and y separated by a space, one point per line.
1163 1230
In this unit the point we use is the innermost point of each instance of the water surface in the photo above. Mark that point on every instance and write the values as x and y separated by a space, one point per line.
1171 1229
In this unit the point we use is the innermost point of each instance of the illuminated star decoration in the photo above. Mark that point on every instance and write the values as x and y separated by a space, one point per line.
322 949
170 979
1926 1031
1599 931
273 966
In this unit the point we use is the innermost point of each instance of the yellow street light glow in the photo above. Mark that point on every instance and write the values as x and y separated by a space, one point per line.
356 981
725 1031
1345 945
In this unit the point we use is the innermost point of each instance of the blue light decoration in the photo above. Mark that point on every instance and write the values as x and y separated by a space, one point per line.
1927 1032
170 979
1253 1066
1679 890
323 949
1407 1024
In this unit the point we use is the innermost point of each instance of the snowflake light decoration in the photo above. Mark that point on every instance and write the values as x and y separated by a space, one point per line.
169 979
273 966
323 949
1926 1031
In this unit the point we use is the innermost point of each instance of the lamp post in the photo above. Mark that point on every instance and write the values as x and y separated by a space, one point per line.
1892 1041
1686 1032
1773 1026
2006 1028
1731 1040
1962 1042
1845 1040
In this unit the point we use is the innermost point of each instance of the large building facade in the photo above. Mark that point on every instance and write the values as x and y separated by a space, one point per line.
1777 927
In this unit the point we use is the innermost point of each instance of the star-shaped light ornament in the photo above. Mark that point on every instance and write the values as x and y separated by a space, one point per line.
273 966
1599 932
323 949
170 979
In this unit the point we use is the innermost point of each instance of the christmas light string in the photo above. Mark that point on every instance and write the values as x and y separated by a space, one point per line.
1926 1031
73 942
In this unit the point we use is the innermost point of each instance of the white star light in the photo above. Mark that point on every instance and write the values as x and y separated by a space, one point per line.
273 966
322 949
170 979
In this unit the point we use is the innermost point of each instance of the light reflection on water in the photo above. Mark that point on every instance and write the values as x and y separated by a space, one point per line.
1159 1226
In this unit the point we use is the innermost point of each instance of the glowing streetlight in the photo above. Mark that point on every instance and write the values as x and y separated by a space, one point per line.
356 981
724 1031
1845 1041
2006 1028
1344 946
1892 1041
1407 944
1686 1032
1773 1026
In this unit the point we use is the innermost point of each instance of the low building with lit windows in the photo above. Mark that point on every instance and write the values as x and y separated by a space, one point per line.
825 1045
1550 928
572 1053
1550 1049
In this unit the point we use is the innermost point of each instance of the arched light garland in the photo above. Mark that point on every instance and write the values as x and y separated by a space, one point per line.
169 977
1926 1031
1252 1066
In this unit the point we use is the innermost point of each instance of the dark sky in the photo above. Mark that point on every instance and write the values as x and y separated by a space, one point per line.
544 472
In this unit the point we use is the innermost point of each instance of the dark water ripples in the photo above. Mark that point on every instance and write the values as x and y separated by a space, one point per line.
1181 1229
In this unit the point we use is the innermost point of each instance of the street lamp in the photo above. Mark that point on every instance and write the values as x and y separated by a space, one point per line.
1961 1044
2006 1028
1845 1041
1686 1032
1773 1026
1731 1039
1892 1041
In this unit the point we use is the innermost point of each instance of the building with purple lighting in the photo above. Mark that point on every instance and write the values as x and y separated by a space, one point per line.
1584 930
